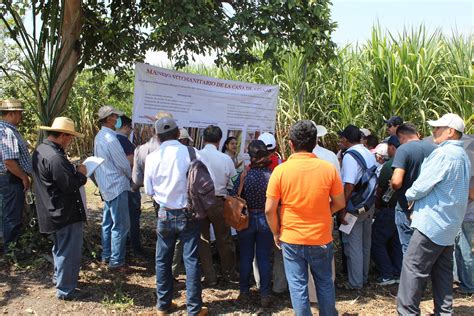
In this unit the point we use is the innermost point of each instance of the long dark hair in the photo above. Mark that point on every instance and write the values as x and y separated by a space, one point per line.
261 162
227 141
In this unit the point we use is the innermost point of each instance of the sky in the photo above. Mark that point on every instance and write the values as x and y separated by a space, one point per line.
355 19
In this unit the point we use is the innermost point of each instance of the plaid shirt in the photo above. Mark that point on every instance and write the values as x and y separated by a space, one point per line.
13 147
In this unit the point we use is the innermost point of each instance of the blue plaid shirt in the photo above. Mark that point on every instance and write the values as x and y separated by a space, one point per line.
440 193
13 147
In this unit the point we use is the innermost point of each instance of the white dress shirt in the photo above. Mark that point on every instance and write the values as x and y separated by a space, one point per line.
165 174
327 155
220 166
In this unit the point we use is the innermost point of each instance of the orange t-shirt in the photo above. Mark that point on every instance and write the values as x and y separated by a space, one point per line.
303 184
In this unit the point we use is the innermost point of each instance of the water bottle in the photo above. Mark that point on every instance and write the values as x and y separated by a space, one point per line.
29 197
388 194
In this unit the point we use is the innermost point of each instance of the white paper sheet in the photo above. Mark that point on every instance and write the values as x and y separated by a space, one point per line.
92 163
350 219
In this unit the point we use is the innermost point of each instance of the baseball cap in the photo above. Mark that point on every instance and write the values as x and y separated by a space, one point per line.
269 140
183 134
164 125
394 120
108 110
351 132
381 150
365 132
394 141
449 120
257 149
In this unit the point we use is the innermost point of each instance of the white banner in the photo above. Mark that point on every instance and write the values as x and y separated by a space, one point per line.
240 109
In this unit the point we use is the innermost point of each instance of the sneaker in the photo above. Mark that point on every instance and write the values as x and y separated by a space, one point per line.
266 301
386 281
204 311
243 297
168 311
76 295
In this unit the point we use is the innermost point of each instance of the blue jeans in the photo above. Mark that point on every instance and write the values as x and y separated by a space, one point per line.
386 249
256 239
464 257
13 197
134 208
403 227
115 227
357 250
67 253
173 224
296 259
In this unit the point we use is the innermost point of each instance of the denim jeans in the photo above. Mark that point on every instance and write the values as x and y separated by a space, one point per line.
13 197
357 249
319 258
173 224
464 257
115 227
403 227
67 253
134 208
256 239
386 248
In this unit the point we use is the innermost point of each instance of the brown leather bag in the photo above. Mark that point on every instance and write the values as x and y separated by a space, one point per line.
235 208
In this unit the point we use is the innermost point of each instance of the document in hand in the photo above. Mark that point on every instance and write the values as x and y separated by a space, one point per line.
92 163
350 219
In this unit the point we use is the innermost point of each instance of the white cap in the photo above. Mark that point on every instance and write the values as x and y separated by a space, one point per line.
382 150
183 134
321 130
365 131
449 120
269 140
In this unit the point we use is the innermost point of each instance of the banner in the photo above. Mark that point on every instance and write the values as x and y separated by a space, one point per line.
240 109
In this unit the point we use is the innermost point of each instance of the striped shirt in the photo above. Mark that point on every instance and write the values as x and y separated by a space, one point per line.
13 147
440 193
114 174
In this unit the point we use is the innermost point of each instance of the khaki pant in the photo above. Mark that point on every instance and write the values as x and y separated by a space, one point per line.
225 244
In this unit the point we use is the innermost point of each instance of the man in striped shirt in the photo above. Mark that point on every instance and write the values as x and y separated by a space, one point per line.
113 179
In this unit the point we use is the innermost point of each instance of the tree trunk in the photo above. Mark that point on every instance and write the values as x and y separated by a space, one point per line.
68 57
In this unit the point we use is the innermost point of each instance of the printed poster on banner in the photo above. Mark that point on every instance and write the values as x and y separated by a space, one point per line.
243 110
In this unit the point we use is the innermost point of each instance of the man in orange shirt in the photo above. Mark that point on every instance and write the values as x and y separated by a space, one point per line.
310 191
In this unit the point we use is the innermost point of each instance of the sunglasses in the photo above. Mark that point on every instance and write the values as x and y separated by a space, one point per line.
389 125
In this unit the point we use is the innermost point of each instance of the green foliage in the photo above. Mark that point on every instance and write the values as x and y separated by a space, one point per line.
118 33
118 300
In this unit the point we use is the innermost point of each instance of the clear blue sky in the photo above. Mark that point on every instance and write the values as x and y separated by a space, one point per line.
356 17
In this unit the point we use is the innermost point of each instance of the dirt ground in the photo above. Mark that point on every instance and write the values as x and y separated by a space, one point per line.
26 286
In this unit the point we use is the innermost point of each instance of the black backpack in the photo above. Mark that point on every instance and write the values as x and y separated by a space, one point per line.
200 187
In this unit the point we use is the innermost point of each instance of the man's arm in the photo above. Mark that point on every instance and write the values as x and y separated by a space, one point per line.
13 167
397 178
428 179
271 206
337 203
66 178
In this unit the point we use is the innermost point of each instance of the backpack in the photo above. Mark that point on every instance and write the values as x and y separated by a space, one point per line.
200 187
363 195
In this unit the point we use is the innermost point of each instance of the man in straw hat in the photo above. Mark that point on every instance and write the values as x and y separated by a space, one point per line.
59 204
15 166
113 179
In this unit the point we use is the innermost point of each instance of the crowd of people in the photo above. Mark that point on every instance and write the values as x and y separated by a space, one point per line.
406 204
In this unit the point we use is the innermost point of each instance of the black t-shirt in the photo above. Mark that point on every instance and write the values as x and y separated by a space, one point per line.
409 157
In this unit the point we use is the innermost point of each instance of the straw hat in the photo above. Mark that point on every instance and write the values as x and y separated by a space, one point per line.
11 105
183 134
63 125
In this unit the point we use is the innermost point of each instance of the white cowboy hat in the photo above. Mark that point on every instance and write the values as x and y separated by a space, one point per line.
63 125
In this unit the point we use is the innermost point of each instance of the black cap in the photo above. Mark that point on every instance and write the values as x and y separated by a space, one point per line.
257 149
393 140
394 120
351 133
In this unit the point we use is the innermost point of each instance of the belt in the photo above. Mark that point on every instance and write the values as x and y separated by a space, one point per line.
3 173
174 209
